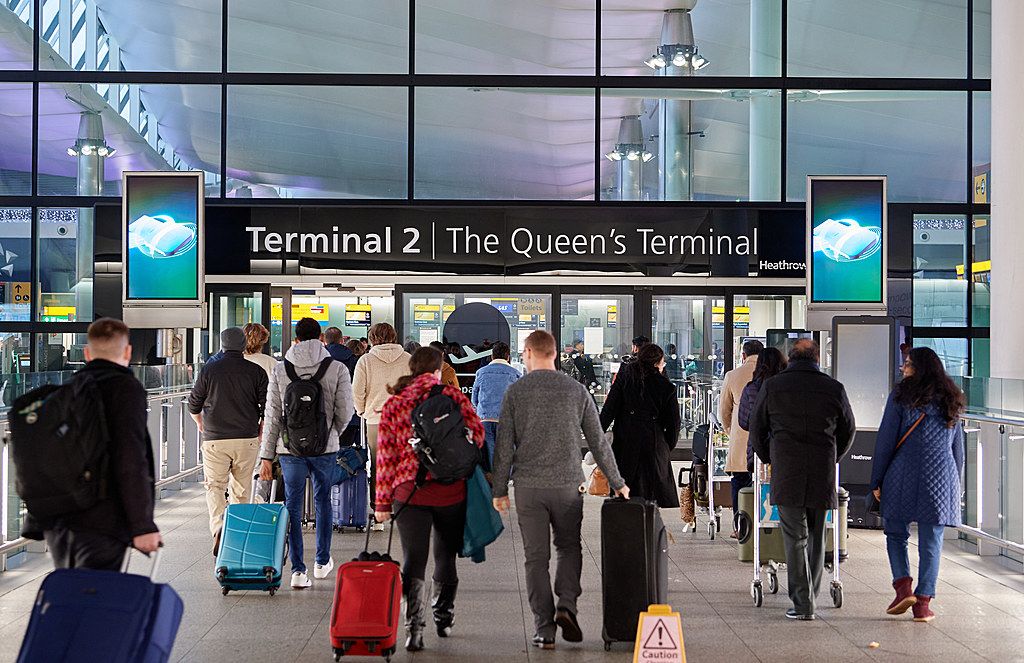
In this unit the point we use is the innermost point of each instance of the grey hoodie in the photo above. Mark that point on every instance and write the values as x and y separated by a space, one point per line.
377 370
337 388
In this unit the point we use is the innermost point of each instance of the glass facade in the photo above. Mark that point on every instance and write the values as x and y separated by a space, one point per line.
437 100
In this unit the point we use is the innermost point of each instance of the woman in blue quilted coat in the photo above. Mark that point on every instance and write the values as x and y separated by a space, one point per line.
919 481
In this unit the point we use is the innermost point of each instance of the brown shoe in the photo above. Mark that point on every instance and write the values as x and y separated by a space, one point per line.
904 596
216 544
923 613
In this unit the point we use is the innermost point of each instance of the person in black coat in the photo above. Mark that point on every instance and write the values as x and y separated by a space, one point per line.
642 404
802 425
98 537
584 365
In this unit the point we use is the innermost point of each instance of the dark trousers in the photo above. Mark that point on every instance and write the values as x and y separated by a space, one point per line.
739 481
416 524
544 512
84 549
803 532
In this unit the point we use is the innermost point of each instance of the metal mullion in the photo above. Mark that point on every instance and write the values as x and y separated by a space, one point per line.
410 114
224 99
35 286
784 100
597 106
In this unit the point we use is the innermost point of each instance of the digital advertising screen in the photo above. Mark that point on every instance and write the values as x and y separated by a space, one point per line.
163 236
358 315
846 246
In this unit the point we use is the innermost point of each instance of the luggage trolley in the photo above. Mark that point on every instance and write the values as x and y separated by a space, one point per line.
766 515
713 458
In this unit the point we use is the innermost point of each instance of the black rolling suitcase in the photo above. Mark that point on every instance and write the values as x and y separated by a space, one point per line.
634 565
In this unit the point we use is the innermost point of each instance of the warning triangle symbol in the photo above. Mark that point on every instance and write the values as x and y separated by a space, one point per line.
660 638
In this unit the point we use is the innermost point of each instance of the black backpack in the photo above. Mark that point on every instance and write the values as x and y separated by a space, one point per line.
59 444
304 422
442 442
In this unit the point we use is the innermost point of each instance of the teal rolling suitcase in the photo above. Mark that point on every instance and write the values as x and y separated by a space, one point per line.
252 541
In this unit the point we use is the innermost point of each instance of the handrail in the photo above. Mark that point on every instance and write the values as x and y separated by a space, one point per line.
1002 543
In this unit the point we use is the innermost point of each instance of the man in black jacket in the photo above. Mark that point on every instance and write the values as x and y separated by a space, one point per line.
227 403
98 537
803 424
339 352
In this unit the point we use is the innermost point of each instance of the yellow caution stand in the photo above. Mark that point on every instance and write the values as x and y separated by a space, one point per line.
659 636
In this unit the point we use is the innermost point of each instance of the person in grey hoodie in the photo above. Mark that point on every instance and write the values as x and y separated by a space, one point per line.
306 357
377 370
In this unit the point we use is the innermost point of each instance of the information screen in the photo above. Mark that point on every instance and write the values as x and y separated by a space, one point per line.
162 236
357 315
847 241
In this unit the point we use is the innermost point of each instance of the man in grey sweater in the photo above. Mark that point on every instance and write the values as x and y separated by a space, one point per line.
542 417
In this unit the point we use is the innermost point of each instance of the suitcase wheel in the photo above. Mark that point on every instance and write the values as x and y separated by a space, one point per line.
224 591
268 571
222 573
272 591
338 653
607 645
371 646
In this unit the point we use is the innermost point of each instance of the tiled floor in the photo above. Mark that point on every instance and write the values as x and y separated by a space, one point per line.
980 607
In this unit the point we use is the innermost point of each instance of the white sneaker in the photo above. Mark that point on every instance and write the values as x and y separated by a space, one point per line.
300 580
377 527
321 571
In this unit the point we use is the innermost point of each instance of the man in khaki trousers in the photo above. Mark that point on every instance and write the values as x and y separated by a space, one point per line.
227 403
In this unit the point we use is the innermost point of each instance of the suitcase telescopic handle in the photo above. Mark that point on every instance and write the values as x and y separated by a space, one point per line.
273 489
153 557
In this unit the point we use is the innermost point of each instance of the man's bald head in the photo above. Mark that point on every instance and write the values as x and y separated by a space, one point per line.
804 349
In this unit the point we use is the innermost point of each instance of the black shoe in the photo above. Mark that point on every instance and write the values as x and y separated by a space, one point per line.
571 631
793 614
541 642
414 642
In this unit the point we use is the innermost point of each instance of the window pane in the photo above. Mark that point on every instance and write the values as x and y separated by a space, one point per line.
171 35
982 160
918 139
736 38
983 38
65 265
597 332
311 142
56 351
15 138
16 34
878 38
754 315
980 357
505 37
981 274
319 36
505 144
698 143
184 134
15 265
952 352
940 250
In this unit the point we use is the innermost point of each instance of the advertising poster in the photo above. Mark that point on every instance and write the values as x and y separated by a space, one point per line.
847 235
163 216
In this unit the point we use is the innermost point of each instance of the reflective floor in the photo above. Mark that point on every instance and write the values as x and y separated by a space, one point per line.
980 606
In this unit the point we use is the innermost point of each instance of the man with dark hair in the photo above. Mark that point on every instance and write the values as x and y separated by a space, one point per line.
307 358
448 375
339 352
227 404
728 414
803 424
543 417
584 365
97 537
489 387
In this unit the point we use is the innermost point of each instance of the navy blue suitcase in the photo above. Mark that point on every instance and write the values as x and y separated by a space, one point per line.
350 503
86 615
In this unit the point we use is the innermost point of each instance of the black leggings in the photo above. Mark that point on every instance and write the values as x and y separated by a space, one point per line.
414 529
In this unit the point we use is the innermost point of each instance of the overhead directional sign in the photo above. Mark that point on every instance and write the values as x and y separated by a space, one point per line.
659 636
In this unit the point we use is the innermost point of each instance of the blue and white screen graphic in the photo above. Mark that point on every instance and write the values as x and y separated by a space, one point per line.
162 237
847 241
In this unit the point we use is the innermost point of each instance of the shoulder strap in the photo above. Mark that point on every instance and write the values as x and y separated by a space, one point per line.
909 431
289 369
325 365
436 390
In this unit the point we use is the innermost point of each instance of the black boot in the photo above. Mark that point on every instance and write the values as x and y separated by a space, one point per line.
444 607
414 617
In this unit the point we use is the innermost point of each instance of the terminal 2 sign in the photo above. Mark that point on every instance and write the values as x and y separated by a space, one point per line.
661 241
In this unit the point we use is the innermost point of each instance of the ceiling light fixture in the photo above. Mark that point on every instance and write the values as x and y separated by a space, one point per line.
678 48
630 145
90 139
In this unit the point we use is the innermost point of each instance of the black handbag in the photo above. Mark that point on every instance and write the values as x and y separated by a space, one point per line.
873 505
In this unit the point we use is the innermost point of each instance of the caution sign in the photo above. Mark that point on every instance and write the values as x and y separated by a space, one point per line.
659 636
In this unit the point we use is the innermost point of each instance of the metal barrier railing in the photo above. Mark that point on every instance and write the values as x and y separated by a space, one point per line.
176 451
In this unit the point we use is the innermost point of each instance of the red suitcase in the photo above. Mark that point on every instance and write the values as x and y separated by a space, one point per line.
367 606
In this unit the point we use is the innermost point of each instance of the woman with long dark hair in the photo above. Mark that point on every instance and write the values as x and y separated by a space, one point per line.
431 506
770 362
642 404
919 455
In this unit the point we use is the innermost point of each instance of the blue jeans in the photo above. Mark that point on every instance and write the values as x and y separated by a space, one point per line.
490 437
325 473
929 550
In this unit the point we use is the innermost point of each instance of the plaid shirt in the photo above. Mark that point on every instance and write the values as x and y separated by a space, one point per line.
396 461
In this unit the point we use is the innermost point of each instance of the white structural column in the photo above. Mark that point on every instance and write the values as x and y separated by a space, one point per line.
1007 318
765 106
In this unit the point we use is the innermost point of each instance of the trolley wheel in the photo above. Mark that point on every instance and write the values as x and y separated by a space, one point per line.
711 529
837 594
756 593
224 591
773 583
272 591
607 645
